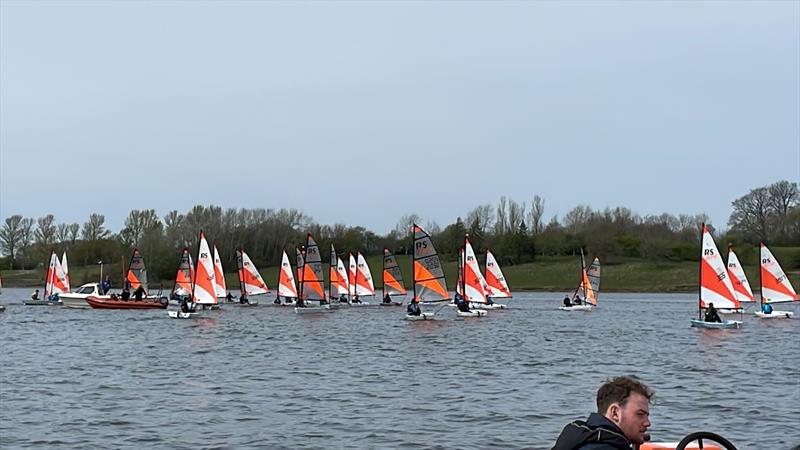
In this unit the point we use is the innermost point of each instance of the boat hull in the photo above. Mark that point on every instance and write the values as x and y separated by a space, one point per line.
423 316
728 324
39 303
473 313
181 315
110 303
576 308
313 309
775 315
487 306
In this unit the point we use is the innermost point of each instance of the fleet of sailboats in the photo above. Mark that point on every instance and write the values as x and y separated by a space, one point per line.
723 285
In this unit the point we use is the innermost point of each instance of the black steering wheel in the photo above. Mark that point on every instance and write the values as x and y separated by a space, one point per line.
700 435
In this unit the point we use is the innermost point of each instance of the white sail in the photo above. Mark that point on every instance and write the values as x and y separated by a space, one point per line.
219 276
364 285
352 275
474 284
343 287
65 267
286 284
715 284
498 287
775 285
203 289
741 287
250 280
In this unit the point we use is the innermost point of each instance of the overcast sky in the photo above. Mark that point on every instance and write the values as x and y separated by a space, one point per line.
360 112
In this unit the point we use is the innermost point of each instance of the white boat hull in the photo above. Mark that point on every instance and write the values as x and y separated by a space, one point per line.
181 315
423 316
775 315
576 308
487 306
473 313
729 311
727 324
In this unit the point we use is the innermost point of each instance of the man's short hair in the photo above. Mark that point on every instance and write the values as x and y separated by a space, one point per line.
618 389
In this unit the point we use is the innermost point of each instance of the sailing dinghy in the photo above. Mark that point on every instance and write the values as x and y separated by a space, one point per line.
55 283
250 281
775 286
203 290
364 287
428 278
586 289
183 278
312 288
473 285
392 279
495 281
715 285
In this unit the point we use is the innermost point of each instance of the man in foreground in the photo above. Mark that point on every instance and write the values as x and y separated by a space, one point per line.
622 418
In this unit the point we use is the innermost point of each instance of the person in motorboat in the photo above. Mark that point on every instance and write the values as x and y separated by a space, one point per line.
126 294
35 294
387 299
621 420
413 308
567 301
105 285
711 314
462 305
300 303
766 308
577 300
243 299
229 297
138 294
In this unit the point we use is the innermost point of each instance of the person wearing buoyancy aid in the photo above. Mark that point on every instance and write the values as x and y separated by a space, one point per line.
413 308
767 308
622 419
462 305
711 314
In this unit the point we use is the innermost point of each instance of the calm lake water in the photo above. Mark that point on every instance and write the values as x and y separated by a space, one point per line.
266 377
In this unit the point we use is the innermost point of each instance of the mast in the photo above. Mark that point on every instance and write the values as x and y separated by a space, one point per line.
700 274
240 263
413 272
760 278
194 278
331 268
464 269
383 276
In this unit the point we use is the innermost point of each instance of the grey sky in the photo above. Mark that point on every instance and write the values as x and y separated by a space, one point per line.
360 112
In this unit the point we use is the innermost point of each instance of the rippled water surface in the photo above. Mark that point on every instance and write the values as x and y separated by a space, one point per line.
265 377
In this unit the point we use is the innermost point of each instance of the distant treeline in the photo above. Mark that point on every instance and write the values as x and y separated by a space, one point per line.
515 232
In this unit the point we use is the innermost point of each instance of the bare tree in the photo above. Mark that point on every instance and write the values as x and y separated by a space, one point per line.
404 224
95 229
11 238
537 214
501 222
750 215
783 196
577 218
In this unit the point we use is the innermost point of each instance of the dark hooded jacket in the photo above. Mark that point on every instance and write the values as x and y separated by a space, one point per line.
596 433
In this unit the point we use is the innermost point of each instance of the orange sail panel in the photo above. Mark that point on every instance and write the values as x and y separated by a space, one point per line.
364 285
312 282
429 281
473 280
